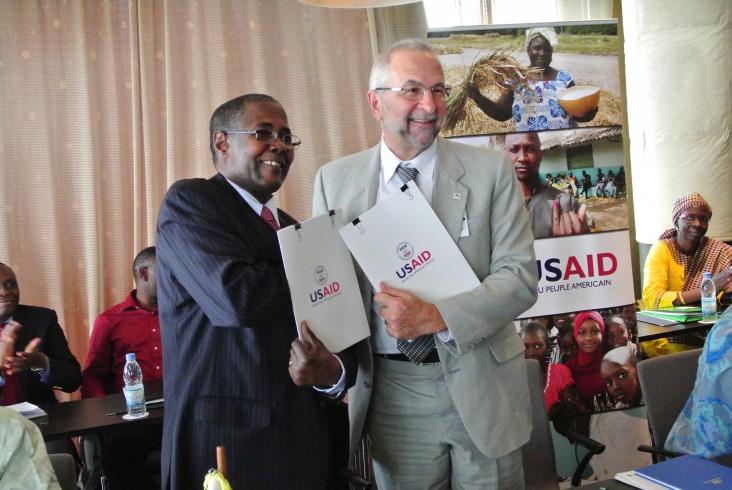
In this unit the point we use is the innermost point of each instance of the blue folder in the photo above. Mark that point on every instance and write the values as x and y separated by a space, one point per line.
688 473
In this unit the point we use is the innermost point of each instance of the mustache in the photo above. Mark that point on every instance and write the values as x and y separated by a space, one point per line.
424 116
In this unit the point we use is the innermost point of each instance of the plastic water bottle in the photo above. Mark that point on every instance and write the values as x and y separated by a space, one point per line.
708 298
133 390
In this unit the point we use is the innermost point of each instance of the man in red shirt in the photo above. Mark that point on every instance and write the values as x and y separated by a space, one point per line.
130 326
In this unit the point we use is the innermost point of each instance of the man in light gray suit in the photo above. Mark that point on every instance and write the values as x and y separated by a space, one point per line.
458 415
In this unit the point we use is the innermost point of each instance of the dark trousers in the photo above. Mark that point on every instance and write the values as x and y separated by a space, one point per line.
128 458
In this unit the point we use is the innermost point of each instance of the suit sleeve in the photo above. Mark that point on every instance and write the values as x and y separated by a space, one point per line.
64 369
658 286
320 205
221 260
509 287
348 356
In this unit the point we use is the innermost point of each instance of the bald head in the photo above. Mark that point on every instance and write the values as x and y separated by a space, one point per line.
9 292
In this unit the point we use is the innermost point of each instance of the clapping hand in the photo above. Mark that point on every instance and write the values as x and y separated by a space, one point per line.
29 358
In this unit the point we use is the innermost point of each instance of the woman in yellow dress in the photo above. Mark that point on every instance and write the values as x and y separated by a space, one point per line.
675 264
673 271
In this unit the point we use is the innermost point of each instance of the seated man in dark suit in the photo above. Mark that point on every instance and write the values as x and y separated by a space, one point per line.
39 360
130 326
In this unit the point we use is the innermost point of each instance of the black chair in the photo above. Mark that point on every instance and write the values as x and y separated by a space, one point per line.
360 472
540 469
64 466
666 383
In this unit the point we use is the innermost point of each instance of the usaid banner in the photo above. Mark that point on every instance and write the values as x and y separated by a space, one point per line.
582 272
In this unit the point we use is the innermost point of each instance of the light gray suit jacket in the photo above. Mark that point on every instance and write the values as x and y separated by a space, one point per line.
484 369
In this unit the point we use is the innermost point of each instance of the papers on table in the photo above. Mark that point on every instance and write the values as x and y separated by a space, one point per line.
402 242
678 311
323 282
637 481
671 316
681 473
28 410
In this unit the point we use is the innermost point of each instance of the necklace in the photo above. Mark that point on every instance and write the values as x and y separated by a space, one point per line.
526 201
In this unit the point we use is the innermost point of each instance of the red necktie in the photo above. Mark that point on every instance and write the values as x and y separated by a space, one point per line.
269 218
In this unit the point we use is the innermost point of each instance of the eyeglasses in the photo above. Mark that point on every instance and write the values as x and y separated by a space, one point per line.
416 92
268 137
690 218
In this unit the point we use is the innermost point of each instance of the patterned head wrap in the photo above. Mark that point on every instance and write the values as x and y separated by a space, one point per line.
682 204
547 33
687 201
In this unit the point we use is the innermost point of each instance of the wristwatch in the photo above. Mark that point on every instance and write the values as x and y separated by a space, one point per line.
43 368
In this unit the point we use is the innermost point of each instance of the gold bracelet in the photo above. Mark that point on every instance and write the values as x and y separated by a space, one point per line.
681 298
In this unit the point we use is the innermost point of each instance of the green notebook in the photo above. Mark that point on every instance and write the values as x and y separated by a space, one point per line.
681 314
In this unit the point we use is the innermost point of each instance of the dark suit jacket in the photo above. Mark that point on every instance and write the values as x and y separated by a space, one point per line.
65 372
227 324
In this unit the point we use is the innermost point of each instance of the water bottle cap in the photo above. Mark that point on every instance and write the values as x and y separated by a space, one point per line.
707 275
130 356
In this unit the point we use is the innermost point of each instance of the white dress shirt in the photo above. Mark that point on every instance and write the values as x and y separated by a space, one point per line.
389 184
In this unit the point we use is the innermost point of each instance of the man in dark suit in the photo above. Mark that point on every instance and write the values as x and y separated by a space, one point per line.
34 355
40 360
227 320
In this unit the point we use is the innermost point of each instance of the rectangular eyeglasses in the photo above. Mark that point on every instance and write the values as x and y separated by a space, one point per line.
268 137
415 92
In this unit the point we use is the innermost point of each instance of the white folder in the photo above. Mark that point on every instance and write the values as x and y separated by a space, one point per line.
402 242
323 282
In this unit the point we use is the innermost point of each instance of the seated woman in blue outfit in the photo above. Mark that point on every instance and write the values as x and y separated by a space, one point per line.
704 426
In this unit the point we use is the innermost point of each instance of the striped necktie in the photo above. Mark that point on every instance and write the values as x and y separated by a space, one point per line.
419 348
406 173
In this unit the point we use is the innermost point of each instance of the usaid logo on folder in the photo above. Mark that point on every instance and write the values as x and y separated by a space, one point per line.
415 262
326 291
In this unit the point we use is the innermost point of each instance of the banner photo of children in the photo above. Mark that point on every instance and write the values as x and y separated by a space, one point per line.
589 359
530 78
596 347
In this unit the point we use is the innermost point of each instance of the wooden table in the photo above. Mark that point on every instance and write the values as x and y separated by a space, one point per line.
89 416
649 331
